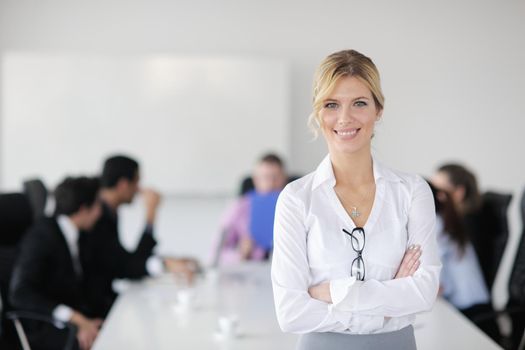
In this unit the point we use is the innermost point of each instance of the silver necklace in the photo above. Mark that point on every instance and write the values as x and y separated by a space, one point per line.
355 213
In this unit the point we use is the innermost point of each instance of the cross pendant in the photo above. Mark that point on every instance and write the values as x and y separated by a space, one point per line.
354 213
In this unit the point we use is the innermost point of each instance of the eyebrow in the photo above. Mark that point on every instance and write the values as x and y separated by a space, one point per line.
354 99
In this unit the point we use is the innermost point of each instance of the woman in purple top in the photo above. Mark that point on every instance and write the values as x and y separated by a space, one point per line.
245 224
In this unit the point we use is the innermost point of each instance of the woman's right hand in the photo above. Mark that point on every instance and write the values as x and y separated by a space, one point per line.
410 262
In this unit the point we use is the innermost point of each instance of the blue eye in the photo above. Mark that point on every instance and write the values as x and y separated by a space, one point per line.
330 105
360 104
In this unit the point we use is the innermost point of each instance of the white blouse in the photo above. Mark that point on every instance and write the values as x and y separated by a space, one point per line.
310 247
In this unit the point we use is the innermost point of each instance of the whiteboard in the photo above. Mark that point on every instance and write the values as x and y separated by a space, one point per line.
195 123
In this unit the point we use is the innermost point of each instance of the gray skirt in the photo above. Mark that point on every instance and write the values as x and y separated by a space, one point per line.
402 339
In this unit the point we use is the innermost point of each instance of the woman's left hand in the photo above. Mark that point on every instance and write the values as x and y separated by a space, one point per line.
321 292
410 262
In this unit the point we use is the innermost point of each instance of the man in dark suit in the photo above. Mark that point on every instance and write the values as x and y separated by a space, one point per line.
103 255
48 277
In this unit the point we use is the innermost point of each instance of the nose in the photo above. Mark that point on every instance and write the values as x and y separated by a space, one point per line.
345 117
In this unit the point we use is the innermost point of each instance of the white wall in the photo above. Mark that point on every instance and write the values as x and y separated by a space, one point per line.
182 116
452 70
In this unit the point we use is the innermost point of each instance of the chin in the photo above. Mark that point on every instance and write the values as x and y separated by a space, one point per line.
351 148
345 149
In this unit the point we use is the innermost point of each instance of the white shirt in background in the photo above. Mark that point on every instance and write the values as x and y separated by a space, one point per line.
70 231
461 277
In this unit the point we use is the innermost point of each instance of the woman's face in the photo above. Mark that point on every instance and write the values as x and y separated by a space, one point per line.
348 117
442 182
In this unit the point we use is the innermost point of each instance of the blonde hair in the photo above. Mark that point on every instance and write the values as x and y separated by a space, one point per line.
341 64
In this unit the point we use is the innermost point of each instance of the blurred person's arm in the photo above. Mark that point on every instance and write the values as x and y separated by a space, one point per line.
151 202
233 227
245 247
87 329
113 258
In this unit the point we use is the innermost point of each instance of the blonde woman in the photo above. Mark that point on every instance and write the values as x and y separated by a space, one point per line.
355 255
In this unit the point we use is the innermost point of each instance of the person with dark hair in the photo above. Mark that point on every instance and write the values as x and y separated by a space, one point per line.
273 159
48 276
105 257
461 282
247 228
116 168
462 186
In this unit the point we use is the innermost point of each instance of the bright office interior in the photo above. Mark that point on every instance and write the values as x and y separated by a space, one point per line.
452 74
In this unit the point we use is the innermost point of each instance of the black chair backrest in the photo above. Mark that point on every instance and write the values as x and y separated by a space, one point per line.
16 217
517 275
36 192
246 185
491 234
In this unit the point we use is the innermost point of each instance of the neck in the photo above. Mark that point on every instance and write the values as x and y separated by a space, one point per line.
111 198
76 220
352 169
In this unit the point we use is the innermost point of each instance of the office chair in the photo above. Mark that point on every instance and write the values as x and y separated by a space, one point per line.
246 185
18 316
516 302
515 308
491 234
16 216
36 192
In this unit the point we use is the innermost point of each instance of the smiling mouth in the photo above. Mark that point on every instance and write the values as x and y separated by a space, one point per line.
347 133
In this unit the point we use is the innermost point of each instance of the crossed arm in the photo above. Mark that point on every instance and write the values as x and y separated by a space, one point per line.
347 304
408 267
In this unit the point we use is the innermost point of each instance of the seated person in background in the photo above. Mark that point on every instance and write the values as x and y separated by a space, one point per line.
462 186
247 228
461 282
105 257
48 276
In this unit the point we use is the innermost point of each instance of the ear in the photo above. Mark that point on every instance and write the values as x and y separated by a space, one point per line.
80 214
122 183
82 209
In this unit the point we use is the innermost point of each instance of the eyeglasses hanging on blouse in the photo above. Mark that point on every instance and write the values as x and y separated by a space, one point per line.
357 238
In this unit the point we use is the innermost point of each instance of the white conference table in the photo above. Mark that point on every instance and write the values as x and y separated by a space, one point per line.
152 314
